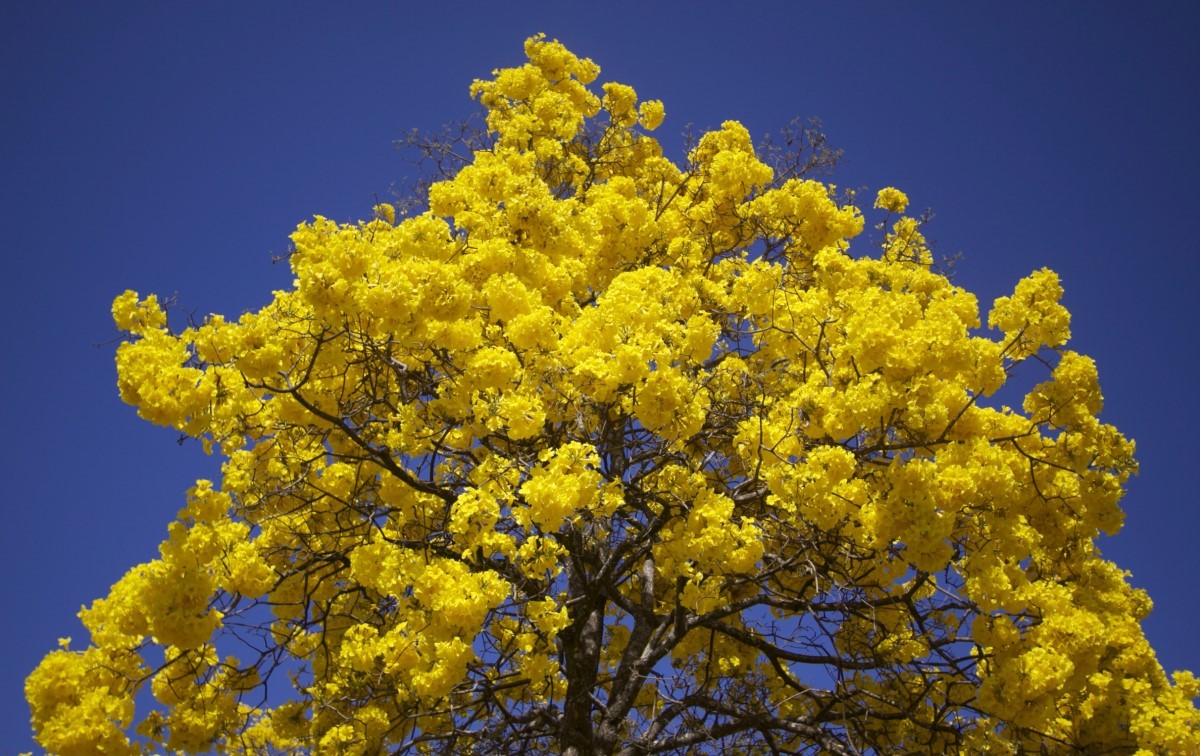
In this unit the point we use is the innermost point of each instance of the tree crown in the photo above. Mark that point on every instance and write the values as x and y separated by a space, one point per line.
608 453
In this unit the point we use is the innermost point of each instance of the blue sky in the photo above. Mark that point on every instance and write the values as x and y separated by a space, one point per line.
172 148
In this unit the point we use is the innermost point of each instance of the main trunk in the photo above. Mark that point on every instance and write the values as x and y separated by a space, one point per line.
581 644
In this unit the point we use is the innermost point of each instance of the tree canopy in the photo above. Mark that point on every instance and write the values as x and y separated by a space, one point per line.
600 452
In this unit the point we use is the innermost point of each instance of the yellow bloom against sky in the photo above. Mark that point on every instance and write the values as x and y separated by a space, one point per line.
618 395
758 490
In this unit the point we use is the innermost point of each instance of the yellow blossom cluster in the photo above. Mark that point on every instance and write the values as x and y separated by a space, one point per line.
600 432
891 199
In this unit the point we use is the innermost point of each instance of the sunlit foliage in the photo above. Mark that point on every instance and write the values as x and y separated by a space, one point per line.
605 452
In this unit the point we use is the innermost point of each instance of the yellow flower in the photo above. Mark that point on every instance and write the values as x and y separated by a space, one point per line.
386 213
891 199
651 114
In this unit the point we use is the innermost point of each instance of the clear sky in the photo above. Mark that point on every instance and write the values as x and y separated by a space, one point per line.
172 148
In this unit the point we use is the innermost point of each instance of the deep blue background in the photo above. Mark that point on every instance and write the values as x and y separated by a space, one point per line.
172 149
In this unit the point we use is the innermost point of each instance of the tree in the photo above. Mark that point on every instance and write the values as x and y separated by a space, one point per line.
605 454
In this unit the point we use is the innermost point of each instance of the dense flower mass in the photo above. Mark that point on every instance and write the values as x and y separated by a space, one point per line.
606 451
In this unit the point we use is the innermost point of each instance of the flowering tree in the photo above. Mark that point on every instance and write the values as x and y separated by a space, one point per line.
603 453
